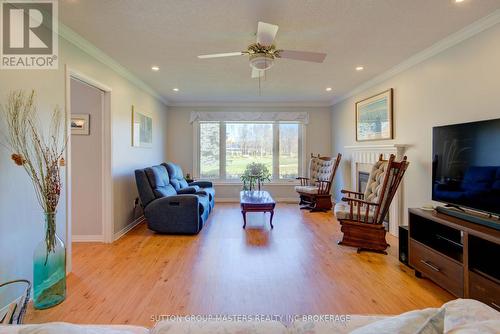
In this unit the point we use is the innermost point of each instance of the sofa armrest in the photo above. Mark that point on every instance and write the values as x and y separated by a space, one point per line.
202 184
174 214
188 190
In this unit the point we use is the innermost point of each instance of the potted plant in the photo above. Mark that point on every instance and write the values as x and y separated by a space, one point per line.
41 156
255 174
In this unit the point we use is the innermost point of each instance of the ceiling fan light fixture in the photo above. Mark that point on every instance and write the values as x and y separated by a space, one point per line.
261 61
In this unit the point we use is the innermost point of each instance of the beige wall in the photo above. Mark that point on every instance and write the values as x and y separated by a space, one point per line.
461 84
86 162
180 142
21 225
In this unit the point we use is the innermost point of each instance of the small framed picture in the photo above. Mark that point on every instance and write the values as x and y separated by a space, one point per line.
80 124
374 117
142 129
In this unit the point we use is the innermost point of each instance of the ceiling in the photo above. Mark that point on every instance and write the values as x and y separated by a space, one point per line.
377 34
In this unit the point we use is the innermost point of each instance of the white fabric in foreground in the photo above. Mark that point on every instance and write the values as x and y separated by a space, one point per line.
333 327
219 327
464 313
406 323
234 116
67 328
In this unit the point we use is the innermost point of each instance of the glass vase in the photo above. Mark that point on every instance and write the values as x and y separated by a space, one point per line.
49 267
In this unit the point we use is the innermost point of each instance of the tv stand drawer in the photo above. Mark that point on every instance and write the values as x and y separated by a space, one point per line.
485 290
437 267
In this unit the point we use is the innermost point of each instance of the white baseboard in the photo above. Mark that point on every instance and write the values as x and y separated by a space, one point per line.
128 228
87 238
293 200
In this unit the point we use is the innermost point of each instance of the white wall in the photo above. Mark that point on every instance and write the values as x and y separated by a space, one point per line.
180 142
86 163
461 84
21 225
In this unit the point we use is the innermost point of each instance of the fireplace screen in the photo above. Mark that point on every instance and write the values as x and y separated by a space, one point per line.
362 181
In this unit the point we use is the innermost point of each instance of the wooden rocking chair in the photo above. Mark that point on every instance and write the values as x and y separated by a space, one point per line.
314 191
363 217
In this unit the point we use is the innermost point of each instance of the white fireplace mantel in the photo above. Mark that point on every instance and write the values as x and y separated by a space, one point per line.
397 149
363 155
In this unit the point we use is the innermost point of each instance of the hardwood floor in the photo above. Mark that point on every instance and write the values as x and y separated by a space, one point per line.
297 268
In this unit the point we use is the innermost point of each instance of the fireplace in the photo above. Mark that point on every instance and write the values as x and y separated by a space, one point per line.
362 159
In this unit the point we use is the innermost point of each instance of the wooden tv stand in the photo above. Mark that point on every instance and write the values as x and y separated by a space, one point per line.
459 256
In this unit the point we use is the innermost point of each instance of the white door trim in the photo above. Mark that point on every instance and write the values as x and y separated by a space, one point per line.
107 181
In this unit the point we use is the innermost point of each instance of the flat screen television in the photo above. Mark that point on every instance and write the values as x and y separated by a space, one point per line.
466 165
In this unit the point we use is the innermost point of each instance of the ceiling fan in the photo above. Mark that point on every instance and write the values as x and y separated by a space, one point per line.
263 53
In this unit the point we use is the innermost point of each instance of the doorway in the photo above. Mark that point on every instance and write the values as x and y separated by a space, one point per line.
87 110
106 179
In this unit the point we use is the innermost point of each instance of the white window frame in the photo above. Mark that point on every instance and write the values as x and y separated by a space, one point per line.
222 150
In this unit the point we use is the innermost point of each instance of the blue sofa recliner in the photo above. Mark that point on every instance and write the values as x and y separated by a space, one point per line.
167 210
180 184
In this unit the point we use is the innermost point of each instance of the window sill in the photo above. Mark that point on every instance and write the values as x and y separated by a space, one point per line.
272 183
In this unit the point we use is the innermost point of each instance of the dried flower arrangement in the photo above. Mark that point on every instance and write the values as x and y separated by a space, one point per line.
39 155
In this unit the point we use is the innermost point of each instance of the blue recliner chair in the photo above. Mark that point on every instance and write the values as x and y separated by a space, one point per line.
180 184
167 211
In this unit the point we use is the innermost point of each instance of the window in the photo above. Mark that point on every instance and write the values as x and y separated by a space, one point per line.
226 148
246 143
289 151
209 150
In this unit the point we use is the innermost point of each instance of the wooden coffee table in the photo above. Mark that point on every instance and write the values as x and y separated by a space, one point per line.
256 201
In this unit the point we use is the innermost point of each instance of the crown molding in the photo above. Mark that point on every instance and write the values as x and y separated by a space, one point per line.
289 104
89 48
456 38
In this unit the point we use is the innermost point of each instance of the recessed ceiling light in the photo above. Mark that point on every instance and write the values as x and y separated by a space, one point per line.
175 89
328 89
459 1
359 68
155 68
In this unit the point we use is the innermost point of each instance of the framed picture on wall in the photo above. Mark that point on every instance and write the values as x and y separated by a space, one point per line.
142 129
374 117
80 124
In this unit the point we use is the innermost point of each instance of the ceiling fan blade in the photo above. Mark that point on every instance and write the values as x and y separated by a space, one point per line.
220 55
266 33
257 73
316 57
